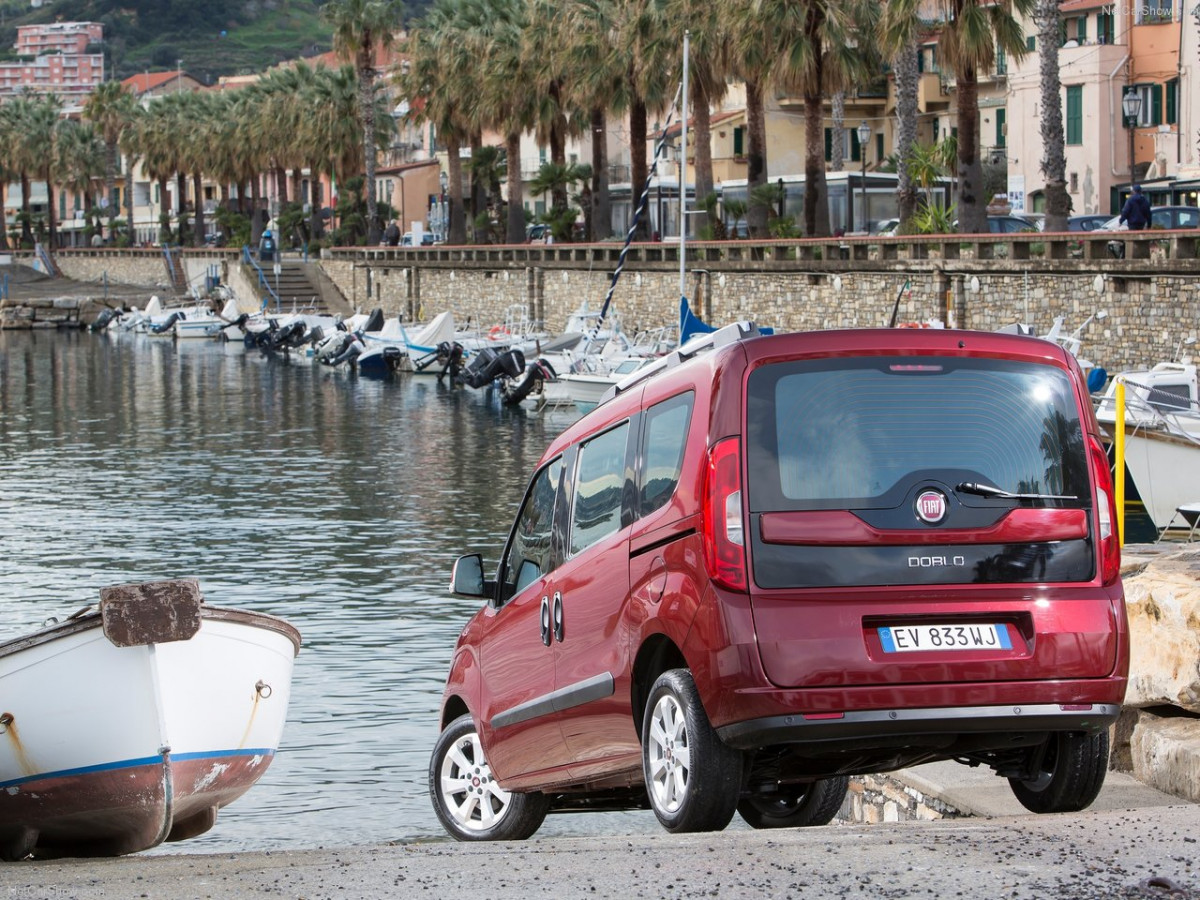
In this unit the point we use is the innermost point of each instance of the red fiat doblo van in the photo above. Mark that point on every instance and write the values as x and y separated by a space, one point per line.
767 563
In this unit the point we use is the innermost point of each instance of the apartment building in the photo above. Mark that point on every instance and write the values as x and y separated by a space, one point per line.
55 59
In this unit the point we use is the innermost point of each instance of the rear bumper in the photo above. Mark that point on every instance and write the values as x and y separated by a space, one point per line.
898 726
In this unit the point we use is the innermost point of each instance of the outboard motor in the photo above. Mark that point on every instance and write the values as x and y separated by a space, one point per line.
103 320
537 373
168 325
487 365
374 321
353 349
449 356
332 345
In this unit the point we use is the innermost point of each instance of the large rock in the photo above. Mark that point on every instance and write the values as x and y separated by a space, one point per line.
1163 753
1162 593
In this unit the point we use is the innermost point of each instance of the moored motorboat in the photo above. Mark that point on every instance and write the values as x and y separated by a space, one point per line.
132 723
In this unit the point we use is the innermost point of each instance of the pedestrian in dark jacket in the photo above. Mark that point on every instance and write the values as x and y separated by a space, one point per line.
1136 211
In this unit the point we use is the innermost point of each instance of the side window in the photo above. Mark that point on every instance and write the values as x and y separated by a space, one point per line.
663 439
599 481
529 553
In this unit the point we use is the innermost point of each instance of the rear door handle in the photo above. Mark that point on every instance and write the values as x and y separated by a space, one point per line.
545 621
558 617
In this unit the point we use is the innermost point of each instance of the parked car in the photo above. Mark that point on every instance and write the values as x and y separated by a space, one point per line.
1010 224
1089 222
888 227
428 239
764 564
1164 217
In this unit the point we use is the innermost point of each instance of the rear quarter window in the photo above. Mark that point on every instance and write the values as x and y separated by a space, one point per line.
664 437
599 482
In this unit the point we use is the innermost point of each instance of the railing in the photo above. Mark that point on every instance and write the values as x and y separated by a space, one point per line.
263 281
1181 249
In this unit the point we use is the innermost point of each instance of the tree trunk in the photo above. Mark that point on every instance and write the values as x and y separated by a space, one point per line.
164 216
972 204
181 203
1054 160
255 203
456 233
479 188
638 166
601 219
837 137
558 146
26 210
53 227
129 202
198 191
816 192
515 231
907 76
702 140
110 182
366 107
756 141
3 216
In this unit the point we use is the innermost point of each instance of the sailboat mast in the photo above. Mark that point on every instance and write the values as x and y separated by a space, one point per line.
683 222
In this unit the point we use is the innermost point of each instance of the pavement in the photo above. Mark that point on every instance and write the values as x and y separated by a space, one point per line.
979 792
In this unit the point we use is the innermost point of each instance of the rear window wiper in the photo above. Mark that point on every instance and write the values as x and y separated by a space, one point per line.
988 490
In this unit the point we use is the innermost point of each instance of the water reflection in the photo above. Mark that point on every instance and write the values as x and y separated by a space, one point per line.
335 501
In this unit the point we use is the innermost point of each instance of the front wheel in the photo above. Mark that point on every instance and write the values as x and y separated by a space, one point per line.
796 805
693 777
1070 775
468 801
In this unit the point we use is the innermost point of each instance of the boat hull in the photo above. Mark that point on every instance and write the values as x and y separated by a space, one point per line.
1165 469
107 750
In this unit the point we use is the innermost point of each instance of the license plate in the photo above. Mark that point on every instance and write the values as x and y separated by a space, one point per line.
909 638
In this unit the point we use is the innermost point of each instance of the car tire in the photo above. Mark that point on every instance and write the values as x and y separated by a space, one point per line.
468 801
693 778
1072 773
796 805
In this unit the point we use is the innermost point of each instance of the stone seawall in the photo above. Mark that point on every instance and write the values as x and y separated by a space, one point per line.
1151 304
1147 314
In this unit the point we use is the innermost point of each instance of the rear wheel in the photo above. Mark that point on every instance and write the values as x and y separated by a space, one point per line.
468 801
1070 775
693 777
796 805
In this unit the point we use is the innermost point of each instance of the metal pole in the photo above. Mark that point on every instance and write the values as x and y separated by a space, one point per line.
683 119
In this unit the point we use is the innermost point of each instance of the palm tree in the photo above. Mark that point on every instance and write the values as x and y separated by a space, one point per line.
753 58
111 108
1054 158
971 33
652 59
707 83
360 29
446 101
336 128
39 139
899 42
80 160
822 49
598 88
22 155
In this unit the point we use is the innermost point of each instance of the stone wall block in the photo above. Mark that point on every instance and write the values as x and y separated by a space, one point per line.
1163 600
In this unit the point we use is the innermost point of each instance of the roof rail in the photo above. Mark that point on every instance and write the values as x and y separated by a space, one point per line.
723 336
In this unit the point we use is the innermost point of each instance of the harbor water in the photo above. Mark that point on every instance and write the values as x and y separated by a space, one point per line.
335 501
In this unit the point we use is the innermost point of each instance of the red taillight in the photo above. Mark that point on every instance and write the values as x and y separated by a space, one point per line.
724 532
1106 511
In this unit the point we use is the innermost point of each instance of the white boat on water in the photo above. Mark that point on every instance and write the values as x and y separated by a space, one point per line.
132 723
1162 435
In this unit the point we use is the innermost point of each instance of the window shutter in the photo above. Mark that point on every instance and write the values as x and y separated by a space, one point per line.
1173 101
738 139
1156 104
1001 115
828 144
1081 25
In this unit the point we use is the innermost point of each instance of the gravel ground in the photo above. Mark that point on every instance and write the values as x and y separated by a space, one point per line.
1138 855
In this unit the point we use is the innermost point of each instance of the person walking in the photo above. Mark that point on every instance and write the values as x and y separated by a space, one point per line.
1136 211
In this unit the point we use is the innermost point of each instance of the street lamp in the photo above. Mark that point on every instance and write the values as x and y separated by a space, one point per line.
864 135
444 180
1131 105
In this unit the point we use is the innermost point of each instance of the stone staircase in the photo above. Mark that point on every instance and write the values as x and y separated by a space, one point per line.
298 287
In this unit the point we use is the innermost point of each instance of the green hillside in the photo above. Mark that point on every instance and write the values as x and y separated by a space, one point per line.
208 38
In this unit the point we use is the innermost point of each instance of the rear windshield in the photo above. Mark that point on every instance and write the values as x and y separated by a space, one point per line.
827 434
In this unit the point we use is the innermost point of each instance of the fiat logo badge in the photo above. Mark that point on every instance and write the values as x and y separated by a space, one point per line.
931 507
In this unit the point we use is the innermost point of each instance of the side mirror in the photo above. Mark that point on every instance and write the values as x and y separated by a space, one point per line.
467 576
